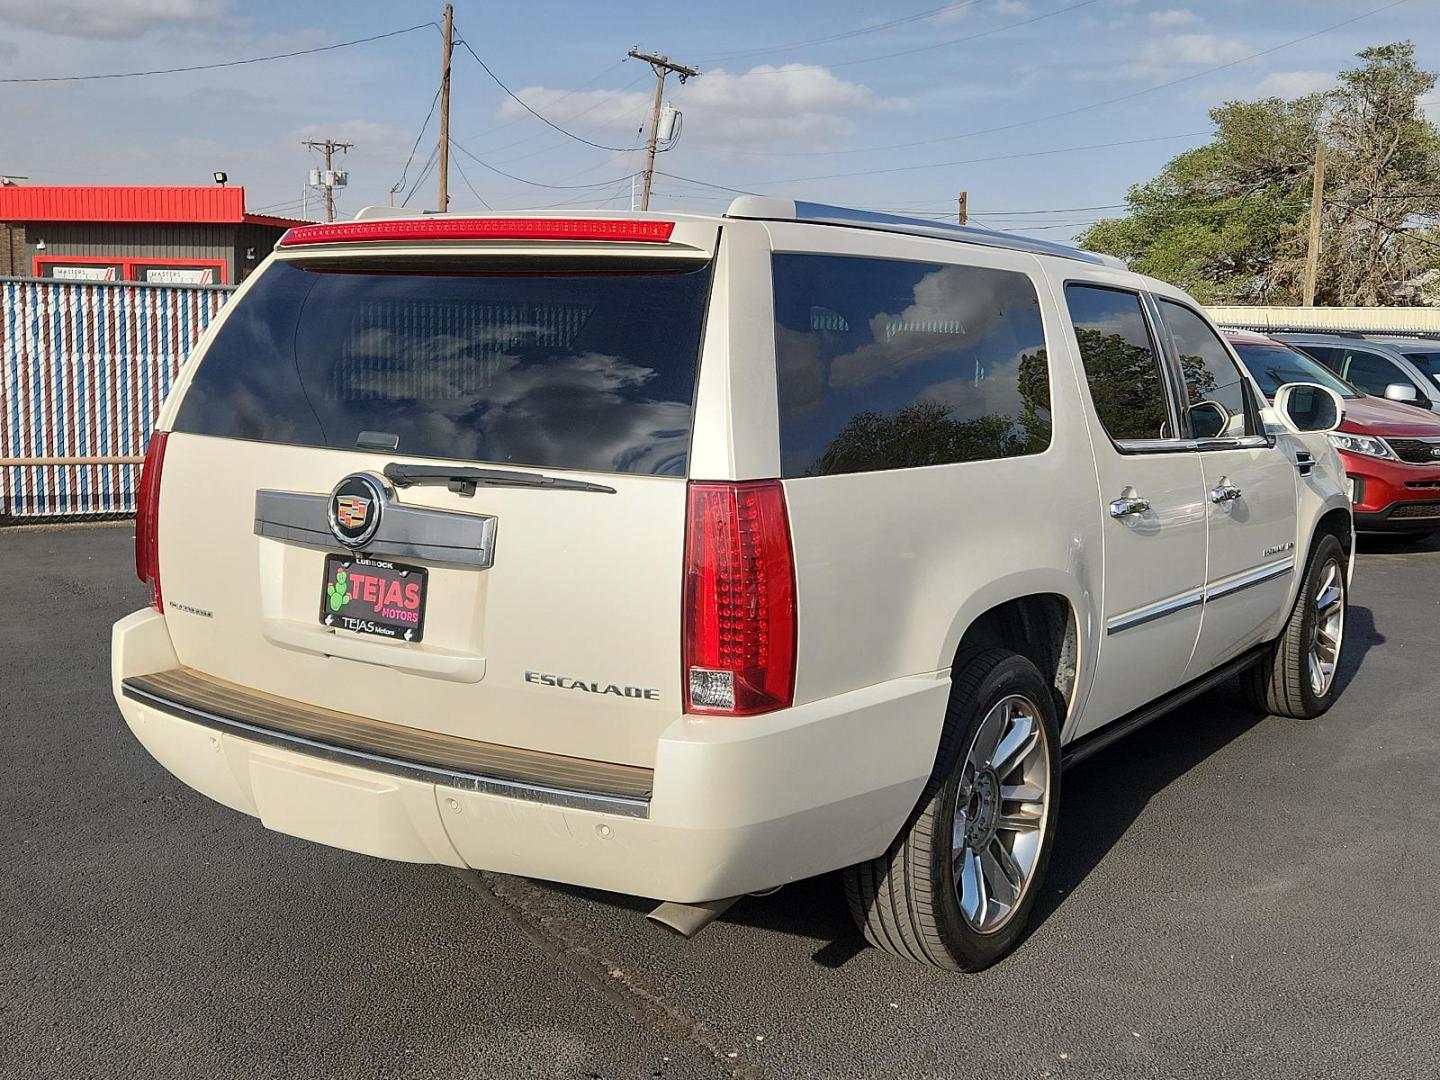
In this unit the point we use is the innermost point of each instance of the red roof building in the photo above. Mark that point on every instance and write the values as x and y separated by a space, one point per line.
169 235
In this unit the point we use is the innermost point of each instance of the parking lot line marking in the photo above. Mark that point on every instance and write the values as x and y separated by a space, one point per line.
571 946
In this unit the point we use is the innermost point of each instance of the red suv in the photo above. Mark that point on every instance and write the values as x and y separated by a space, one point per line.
1391 451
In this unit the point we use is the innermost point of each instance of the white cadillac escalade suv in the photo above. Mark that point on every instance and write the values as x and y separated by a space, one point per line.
685 556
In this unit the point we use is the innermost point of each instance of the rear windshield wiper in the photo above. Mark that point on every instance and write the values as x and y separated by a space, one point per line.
464 480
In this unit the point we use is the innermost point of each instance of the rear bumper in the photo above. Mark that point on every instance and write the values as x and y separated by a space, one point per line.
733 805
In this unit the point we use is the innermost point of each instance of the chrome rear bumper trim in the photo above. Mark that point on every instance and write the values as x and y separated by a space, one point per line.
602 802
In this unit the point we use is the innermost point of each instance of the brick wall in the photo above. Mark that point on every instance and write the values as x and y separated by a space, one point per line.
12 251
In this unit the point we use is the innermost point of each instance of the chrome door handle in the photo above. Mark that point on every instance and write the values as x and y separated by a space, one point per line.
1224 491
1127 505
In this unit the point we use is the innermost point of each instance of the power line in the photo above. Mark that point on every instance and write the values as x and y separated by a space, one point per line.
225 64
1097 104
787 69
609 117
461 170
1041 228
1053 210
429 164
543 119
856 32
399 184
1393 230
564 97
948 164
531 183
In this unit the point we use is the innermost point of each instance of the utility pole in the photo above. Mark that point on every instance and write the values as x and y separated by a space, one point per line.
443 200
963 207
662 66
1317 202
327 178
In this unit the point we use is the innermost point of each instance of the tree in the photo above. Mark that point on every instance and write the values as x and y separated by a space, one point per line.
1386 156
1227 221
925 433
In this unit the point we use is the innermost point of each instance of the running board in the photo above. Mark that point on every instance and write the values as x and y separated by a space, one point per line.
1116 730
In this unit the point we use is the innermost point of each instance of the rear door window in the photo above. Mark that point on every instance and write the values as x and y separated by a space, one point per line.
1122 365
1373 372
588 369
1218 400
887 364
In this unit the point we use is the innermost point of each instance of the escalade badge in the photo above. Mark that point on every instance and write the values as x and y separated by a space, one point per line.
356 504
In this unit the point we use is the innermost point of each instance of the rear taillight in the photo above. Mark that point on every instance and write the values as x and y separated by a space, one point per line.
147 519
739 633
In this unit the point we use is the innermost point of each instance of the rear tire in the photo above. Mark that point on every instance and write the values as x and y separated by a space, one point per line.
956 887
1297 677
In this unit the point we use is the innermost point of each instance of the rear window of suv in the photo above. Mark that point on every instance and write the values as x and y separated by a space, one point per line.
887 364
563 368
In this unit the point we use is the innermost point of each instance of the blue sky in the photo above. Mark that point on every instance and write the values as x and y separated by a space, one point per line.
894 110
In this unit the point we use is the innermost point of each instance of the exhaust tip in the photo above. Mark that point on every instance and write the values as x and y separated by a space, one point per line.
687 920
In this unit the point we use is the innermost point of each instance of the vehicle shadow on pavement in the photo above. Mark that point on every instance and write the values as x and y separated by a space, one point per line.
1381 544
1116 785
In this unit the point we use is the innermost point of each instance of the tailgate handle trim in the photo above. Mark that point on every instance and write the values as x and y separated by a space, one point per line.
406 532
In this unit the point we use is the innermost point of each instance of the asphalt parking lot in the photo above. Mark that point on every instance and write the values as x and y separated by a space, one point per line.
1230 897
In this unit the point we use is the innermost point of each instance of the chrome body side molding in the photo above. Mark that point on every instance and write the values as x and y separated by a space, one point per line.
1129 620
1249 579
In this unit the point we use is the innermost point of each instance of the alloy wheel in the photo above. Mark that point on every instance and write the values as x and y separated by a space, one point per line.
1001 805
1329 628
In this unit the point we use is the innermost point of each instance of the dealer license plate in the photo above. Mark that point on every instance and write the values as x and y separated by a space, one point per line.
371 596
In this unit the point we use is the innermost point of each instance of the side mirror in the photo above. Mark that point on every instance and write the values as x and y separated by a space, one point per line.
1305 407
1399 391
1209 420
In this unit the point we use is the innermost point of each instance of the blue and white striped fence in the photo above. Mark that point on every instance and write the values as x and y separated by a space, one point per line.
84 367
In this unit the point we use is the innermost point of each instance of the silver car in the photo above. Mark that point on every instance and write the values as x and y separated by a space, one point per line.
1398 368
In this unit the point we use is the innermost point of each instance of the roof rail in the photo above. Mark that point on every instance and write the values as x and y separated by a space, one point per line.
769 208
381 213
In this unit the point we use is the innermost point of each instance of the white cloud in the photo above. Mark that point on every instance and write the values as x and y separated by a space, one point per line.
1163 56
1293 84
1170 18
803 106
109 19
1011 7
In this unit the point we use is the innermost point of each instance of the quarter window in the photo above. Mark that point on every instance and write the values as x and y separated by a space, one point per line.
1121 364
1216 395
894 365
